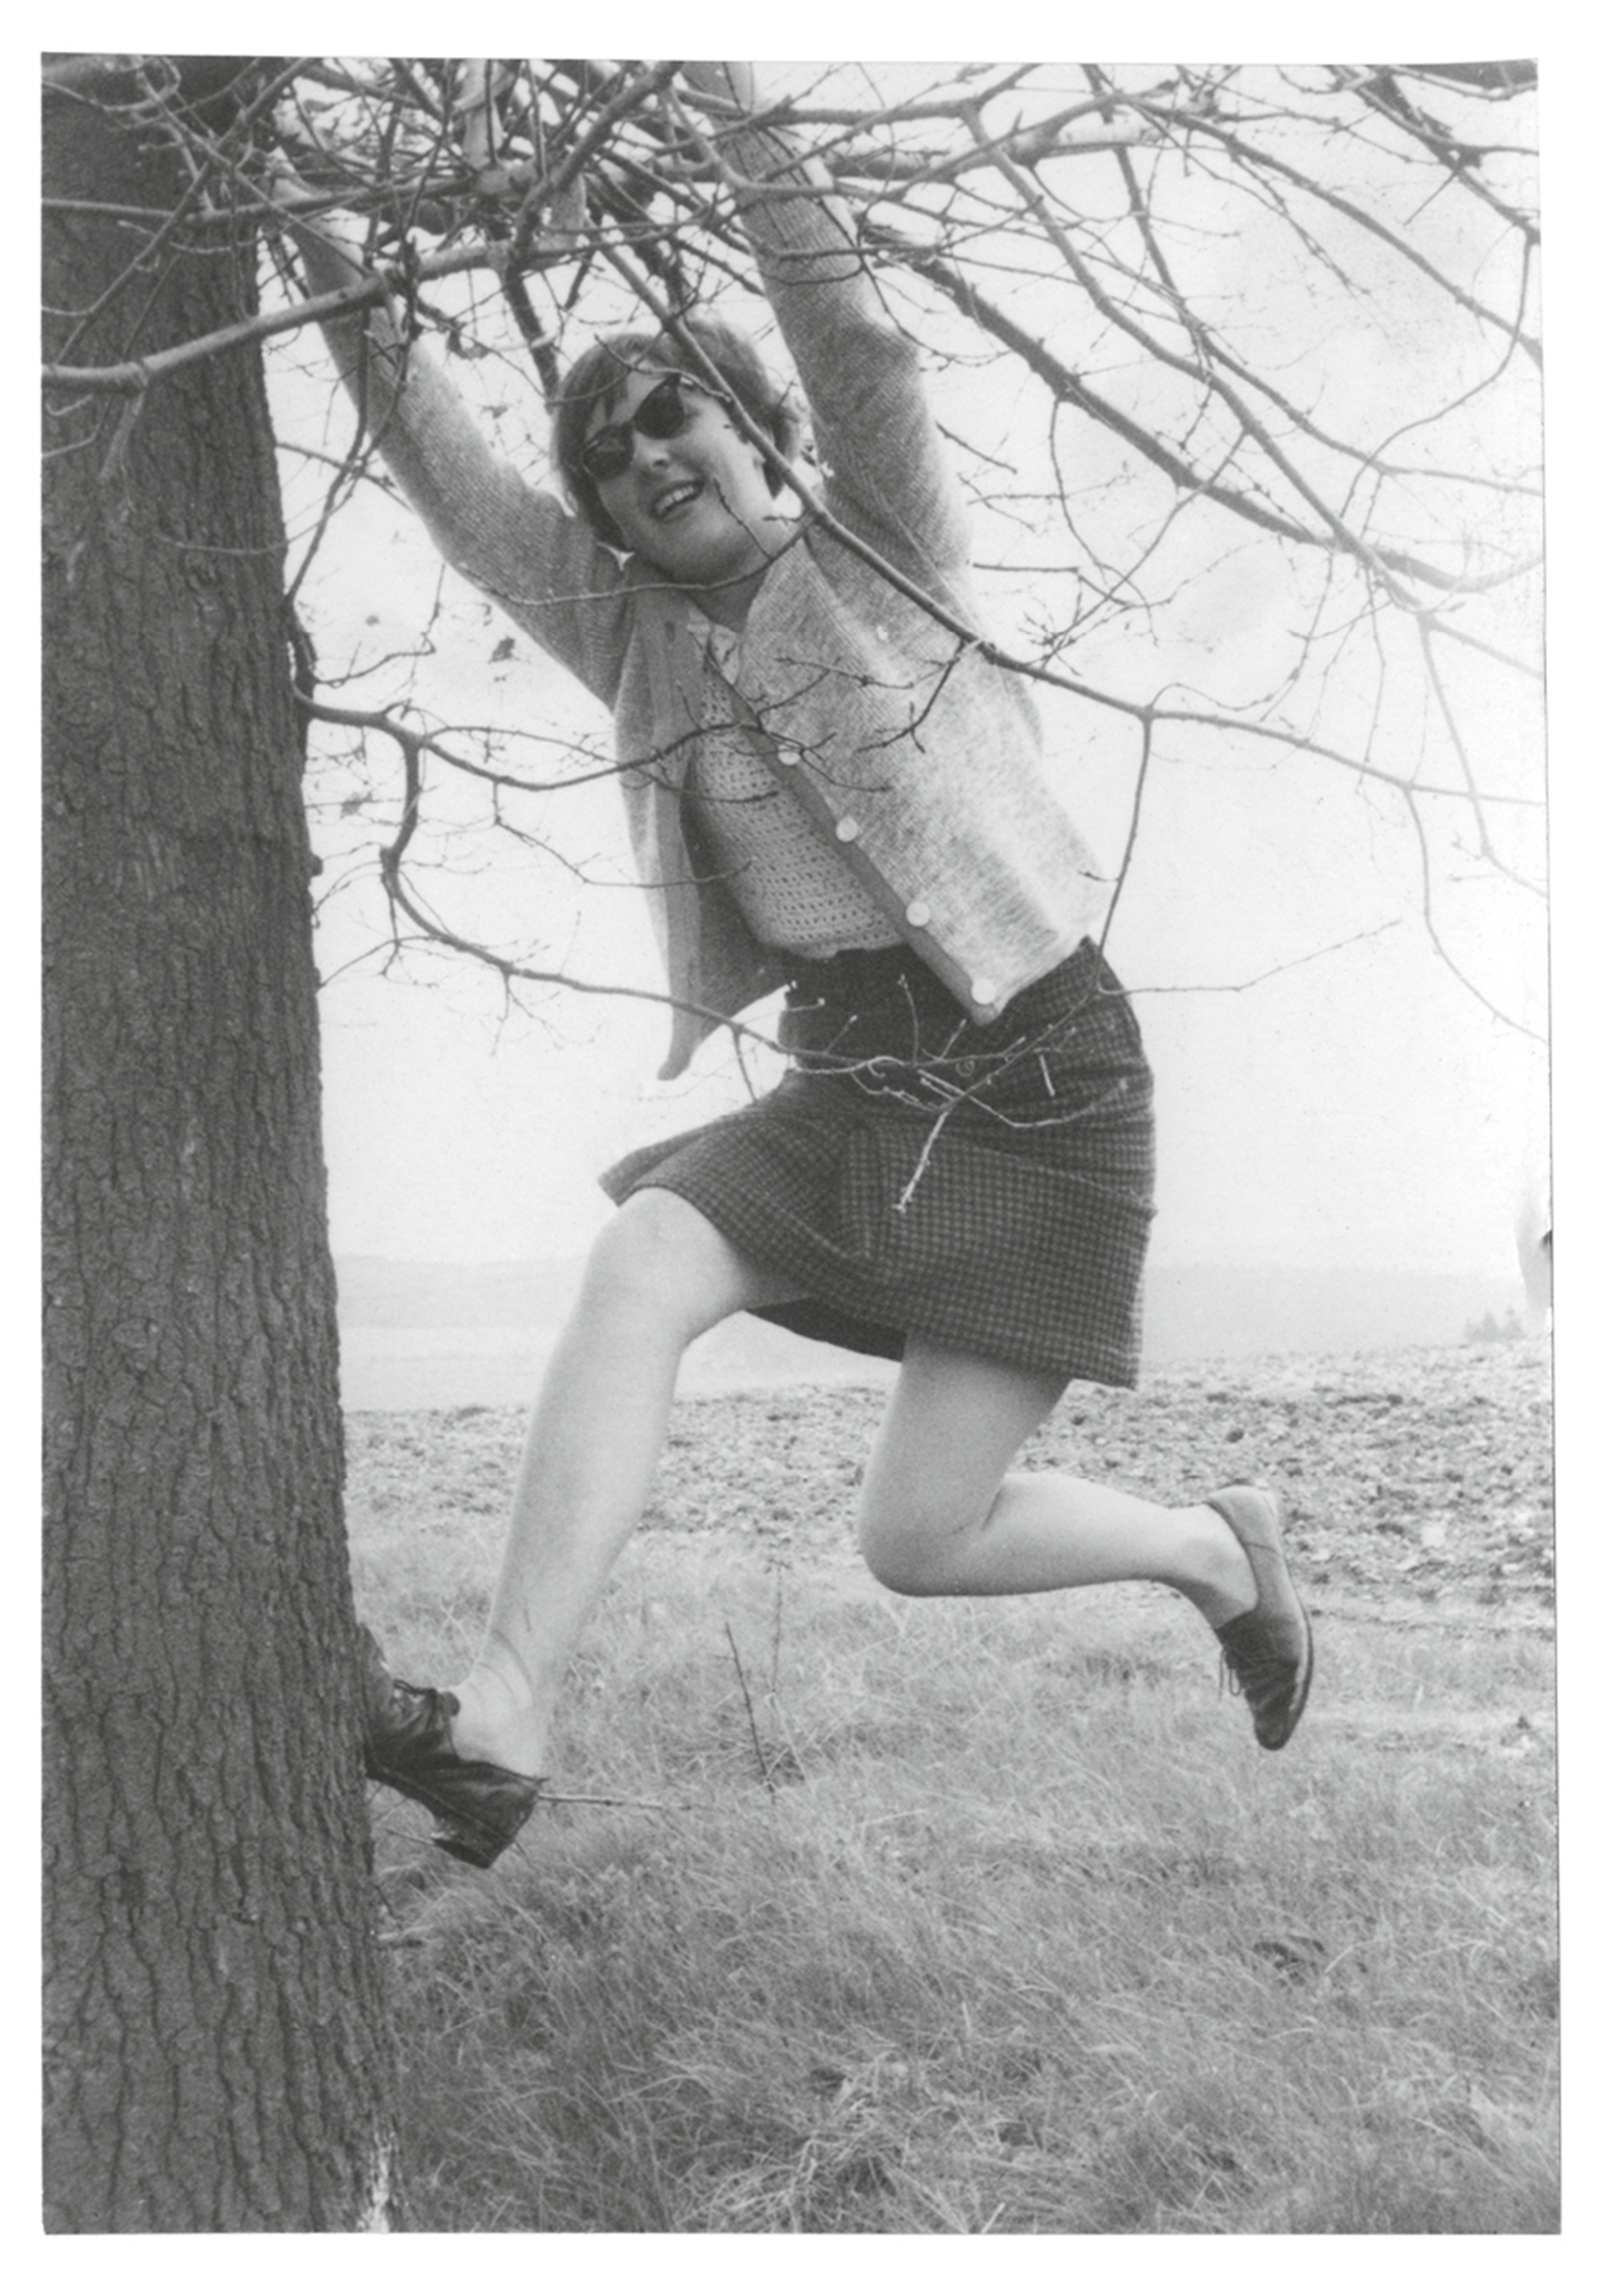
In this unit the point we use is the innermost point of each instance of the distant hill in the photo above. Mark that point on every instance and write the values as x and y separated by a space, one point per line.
1190 1311
421 1294
1227 1311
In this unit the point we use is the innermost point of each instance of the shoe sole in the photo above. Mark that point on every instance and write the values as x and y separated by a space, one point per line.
1300 1696
1220 1501
458 1832
461 1838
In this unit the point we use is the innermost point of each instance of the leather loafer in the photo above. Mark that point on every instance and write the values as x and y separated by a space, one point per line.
1270 1649
407 1744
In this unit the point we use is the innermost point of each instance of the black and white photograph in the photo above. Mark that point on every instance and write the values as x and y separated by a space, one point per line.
798 1204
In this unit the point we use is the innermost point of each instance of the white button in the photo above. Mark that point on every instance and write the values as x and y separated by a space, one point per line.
984 992
918 913
846 829
882 634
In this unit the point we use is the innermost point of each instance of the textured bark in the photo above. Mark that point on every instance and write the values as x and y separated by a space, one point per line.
217 2050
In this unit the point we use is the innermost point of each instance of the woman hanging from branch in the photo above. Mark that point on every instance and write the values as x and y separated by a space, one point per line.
828 790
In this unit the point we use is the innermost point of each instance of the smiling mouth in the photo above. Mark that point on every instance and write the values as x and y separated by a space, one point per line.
675 498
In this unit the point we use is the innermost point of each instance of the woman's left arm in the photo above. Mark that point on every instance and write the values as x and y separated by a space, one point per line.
888 473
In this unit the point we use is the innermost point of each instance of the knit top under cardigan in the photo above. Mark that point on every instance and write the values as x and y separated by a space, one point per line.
927 755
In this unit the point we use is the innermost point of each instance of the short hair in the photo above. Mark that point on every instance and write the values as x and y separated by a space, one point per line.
599 377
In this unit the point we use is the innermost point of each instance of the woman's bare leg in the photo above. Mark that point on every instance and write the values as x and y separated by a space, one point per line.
660 1275
940 1514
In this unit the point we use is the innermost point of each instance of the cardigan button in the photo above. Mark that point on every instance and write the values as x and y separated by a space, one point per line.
846 829
918 913
983 991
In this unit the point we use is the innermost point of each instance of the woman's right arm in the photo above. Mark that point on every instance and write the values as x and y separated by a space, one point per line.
513 541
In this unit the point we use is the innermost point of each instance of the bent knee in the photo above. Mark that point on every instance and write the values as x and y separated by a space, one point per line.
660 1261
650 1248
910 1551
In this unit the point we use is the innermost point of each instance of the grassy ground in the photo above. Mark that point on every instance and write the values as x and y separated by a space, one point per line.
871 1917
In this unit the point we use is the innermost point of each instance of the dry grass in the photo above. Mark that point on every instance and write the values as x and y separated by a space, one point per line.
984 1918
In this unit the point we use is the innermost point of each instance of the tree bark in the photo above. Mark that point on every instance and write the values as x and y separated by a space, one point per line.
217 2046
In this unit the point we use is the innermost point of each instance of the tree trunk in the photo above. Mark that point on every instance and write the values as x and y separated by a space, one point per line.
218 2046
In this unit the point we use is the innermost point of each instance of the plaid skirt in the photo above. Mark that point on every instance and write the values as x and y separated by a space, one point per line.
989 1189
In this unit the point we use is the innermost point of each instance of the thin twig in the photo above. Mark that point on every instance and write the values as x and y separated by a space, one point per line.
621 1801
751 1717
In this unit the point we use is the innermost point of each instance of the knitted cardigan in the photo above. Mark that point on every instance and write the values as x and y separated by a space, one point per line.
924 756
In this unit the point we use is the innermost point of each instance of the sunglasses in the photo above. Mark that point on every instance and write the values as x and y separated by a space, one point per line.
663 413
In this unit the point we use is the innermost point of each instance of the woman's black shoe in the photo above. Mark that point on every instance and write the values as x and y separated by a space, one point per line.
1270 1649
407 1744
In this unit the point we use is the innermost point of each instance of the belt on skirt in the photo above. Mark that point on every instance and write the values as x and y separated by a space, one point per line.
855 976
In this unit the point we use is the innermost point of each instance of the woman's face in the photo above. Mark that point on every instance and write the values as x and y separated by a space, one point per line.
698 506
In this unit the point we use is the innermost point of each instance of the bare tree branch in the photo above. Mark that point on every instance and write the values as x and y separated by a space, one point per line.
1153 293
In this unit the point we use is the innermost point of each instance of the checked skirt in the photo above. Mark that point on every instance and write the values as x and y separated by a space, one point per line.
988 1189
